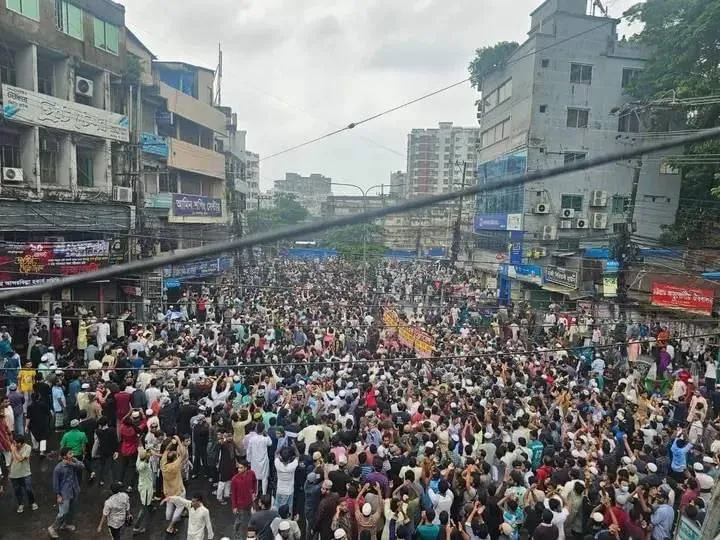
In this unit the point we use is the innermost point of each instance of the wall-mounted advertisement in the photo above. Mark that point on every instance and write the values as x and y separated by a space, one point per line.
196 209
683 298
41 110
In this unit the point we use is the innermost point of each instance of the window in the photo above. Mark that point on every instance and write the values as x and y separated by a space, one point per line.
168 183
667 168
85 167
571 201
49 151
7 69
577 118
543 108
620 204
496 133
69 19
619 227
10 150
545 62
628 75
28 8
580 73
505 91
497 96
106 36
569 157
45 77
629 123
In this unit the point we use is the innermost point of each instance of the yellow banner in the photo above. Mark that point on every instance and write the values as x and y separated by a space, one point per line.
416 339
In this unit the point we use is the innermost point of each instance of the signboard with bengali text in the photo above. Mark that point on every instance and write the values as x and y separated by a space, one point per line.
417 339
689 299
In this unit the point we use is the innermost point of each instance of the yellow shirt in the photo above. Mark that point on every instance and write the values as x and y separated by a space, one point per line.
26 380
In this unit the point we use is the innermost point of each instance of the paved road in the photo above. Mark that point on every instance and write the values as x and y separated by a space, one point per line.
33 525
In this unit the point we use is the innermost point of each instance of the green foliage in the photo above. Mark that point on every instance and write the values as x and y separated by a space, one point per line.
348 241
287 211
489 60
684 37
133 70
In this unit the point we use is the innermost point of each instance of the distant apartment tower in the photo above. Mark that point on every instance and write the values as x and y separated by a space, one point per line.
310 191
560 99
435 158
398 182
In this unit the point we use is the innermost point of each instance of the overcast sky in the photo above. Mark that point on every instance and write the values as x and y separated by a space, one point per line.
295 69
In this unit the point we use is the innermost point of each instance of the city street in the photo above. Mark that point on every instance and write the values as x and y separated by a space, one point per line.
34 525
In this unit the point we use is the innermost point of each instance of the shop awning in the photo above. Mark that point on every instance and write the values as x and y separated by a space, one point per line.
567 291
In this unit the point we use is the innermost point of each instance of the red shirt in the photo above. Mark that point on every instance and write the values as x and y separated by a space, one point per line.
243 488
129 440
620 515
122 403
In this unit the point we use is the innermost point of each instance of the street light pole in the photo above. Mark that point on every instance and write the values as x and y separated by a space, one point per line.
364 198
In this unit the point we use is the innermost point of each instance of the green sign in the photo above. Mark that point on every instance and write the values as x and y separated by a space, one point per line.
687 530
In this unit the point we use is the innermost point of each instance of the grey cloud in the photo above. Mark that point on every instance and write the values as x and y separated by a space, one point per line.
411 56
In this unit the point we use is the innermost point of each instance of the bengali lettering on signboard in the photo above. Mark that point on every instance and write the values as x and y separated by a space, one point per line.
414 338
683 298
195 206
30 263
38 109
561 276
196 269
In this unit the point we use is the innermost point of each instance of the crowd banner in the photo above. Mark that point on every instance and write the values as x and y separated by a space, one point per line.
683 298
417 339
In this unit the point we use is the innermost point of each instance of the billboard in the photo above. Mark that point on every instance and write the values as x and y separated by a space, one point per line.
683 298
41 110
31 263
561 276
195 209
197 269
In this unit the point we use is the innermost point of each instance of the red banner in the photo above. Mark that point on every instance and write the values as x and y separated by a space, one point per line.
683 298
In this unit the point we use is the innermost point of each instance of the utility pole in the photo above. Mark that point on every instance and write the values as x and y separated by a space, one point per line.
623 251
455 247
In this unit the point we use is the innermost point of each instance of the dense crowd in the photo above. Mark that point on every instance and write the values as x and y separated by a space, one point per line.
306 416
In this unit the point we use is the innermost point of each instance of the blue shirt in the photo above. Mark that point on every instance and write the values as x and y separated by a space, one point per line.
662 519
65 480
679 456
536 447
58 397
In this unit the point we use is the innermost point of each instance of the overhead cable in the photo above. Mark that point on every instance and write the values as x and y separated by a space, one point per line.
298 231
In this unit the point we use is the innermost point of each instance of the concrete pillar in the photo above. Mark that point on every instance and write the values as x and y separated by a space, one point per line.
67 163
30 156
26 67
102 167
64 79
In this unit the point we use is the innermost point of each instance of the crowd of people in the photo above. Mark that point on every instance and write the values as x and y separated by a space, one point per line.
304 415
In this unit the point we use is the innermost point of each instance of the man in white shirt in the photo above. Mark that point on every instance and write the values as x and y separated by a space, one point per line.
198 517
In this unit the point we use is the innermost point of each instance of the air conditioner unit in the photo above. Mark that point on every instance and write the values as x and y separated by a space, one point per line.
122 194
12 175
600 220
567 213
582 223
548 233
598 198
84 87
566 224
542 208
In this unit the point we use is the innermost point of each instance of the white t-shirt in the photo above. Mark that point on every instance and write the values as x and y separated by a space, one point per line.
285 476
440 503
558 520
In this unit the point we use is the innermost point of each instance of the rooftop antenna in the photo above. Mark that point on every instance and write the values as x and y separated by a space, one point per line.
218 78
598 4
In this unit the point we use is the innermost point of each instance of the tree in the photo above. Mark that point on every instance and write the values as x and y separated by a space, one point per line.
286 211
348 241
488 60
685 63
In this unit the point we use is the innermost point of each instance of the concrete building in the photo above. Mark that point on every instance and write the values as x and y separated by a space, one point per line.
63 145
555 106
435 159
310 191
252 177
347 205
398 182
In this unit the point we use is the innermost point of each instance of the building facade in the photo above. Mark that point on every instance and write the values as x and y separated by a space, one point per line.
560 104
398 181
67 207
309 191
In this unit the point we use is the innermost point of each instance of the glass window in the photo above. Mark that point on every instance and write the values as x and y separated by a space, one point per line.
69 19
168 182
569 157
505 91
106 36
580 73
85 167
571 201
629 123
628 75
10 150
619 204
577 118
28 8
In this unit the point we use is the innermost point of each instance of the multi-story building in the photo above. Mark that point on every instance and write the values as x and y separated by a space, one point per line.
553 107
436 156
252 177
66 205
398 181
310 191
